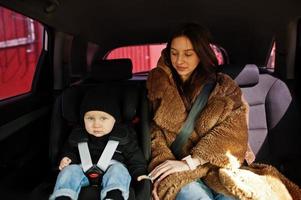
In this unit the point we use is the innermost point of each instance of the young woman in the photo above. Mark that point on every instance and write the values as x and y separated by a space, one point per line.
209 165
220 136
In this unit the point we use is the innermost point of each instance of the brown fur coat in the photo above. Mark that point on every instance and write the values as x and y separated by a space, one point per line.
220 132
220 136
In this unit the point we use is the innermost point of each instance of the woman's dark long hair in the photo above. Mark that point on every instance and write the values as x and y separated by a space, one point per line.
200 39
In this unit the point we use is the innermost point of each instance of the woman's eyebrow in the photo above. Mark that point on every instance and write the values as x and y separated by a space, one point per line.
184 49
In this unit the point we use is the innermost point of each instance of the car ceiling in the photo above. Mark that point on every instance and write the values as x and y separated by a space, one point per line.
244 28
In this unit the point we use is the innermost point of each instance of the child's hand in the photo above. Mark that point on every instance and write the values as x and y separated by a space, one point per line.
64 163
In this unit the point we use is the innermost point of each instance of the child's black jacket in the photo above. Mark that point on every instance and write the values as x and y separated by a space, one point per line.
128 150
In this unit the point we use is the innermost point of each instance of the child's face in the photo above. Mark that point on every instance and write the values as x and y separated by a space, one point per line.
98 123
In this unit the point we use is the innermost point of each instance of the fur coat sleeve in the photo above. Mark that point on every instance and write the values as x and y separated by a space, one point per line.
159 146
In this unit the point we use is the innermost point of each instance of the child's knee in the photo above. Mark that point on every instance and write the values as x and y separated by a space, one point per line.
71 169
117 168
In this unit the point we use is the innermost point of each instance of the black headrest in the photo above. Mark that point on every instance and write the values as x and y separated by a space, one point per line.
111 70
246 76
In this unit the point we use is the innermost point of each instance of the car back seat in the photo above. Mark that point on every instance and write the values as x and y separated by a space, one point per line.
274 132
131 94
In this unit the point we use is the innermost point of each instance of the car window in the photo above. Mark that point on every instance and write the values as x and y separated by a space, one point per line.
145 57
272 56
20 47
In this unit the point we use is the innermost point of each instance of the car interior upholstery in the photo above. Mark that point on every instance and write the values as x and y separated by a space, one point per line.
79 35
273 118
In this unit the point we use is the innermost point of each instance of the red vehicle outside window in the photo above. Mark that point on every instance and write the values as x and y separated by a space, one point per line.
145 57
20 47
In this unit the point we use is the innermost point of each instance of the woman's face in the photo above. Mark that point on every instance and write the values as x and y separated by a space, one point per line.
183 57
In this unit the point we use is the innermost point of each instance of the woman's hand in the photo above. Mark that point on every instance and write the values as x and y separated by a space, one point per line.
164 169
168 167
64 163
140 178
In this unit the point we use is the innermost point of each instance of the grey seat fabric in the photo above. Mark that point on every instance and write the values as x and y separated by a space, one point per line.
274 132
269 101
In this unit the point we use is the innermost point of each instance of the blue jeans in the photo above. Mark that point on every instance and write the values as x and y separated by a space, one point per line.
197 190
72 178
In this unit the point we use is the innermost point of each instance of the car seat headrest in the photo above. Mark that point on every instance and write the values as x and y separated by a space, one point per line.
111 70
246 76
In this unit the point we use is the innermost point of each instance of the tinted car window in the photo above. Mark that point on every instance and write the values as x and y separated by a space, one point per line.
20 47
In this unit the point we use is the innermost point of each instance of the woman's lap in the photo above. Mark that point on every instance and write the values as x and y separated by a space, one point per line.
197 190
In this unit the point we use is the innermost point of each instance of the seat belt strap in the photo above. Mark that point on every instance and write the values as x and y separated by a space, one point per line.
107 155
85 156
188 125
104 159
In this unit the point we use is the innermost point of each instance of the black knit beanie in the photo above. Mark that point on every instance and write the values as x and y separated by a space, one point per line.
100 99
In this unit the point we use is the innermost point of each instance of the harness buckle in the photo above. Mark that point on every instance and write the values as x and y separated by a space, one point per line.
94 175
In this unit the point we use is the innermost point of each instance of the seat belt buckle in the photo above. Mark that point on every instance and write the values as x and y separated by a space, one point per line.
94 175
